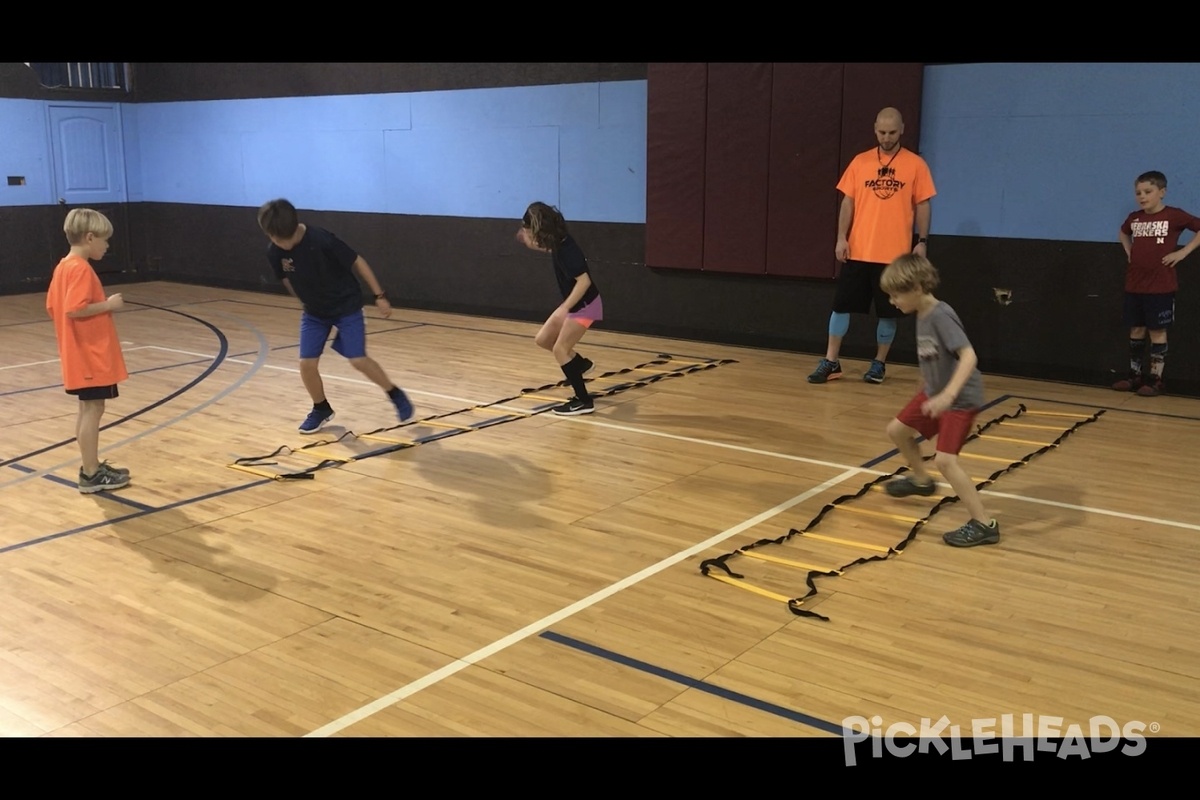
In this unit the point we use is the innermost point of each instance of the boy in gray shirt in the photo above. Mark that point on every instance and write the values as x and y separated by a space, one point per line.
947 402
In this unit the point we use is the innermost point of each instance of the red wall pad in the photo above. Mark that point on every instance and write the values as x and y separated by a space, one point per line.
676 101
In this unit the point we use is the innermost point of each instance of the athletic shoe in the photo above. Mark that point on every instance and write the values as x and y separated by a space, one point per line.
1130 384
1153 387
105 479
875 373
403 406
826 371
315 420
905 486
973 533
575 407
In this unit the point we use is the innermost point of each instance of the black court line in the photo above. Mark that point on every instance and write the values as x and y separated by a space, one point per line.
217 360
698 685
95 525
116 498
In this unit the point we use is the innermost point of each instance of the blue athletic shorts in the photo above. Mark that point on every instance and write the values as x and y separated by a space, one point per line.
351 339
1153 311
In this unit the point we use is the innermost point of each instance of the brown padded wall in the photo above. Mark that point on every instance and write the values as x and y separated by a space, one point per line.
676 102
869 88
806 128
710 203
737 162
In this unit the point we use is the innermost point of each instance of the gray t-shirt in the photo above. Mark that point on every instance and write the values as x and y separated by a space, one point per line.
940 336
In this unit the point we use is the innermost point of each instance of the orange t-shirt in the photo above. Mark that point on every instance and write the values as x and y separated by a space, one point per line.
88 347
885 192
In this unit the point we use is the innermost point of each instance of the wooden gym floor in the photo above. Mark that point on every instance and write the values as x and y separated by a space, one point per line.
494 570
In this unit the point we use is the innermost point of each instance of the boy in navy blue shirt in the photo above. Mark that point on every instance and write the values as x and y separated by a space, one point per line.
322 271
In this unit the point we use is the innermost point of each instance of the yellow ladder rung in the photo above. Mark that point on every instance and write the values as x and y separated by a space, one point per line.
322 456
788 562
1018 441
262 473
433 423
1058 414
1008 424
848 543
883 514
750 588
377 438
989 458
544 397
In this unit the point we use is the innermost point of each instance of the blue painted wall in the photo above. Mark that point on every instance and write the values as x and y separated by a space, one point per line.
1051 151
1037 151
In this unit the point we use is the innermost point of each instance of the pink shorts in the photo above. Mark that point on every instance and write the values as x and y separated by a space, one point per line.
592 312
951 429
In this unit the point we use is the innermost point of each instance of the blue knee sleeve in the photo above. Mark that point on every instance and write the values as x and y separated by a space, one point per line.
885 332
838 324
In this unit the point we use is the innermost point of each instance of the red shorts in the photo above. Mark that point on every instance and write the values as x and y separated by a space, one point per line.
951 429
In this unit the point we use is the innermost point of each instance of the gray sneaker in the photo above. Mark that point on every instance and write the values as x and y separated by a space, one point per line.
105 479
905 486
973 533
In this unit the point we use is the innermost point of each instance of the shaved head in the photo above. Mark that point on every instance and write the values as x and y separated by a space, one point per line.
890 116
888 128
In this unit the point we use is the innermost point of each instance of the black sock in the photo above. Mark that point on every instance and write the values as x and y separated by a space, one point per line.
323 406
573 369
394 393
1136 347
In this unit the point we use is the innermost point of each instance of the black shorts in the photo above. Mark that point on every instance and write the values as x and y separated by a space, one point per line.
858 288
1153 311
94 393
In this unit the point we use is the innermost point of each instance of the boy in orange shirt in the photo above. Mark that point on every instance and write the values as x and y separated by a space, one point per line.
88 347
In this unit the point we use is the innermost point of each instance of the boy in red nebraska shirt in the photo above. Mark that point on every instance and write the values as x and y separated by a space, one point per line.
1150 237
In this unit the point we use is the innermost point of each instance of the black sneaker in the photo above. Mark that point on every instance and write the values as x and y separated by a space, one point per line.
826 371
973 533
906 486
574 407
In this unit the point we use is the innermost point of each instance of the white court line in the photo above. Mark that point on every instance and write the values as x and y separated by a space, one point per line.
56 360
345 380
458 665
1089 509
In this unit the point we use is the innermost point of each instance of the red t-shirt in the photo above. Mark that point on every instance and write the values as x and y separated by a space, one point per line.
1154 236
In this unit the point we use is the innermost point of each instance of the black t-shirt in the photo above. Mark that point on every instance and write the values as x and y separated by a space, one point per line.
321 270
569 264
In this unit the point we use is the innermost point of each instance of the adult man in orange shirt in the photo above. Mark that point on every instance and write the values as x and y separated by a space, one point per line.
886 190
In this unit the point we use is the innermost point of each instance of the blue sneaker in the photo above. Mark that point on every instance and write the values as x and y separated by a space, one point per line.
875 373
315 420
404 407
826 371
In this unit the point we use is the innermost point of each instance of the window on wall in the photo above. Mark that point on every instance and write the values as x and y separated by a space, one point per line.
83 75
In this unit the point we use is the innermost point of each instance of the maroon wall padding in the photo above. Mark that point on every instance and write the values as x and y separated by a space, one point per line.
743 160
737 163
806 128
868 89
676 102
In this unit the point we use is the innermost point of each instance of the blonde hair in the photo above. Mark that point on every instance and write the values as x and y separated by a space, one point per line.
908 273
82 221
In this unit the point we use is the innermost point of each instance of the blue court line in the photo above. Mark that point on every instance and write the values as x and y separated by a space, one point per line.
116 498
698 685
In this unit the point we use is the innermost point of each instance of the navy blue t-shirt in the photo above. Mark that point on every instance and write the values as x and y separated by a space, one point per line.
321 270
569 264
